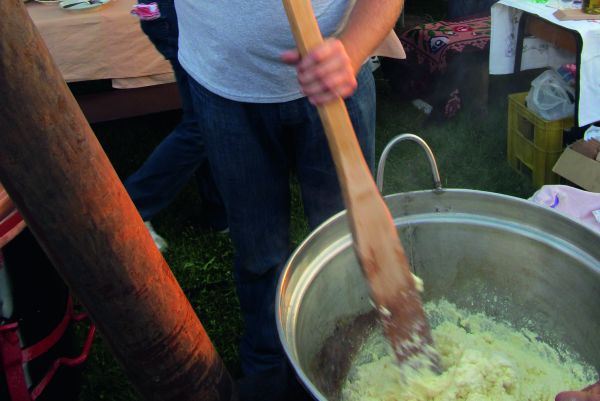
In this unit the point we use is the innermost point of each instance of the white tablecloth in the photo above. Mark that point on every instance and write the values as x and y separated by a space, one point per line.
536 53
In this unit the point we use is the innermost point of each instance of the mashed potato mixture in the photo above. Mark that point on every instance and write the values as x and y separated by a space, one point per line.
481 360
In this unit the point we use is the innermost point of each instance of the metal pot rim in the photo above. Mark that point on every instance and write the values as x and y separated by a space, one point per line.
468 193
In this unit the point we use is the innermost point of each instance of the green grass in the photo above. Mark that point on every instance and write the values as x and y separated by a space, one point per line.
470 151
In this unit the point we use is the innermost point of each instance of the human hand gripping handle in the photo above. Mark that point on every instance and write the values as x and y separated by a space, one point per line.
328 68
590 393
325 73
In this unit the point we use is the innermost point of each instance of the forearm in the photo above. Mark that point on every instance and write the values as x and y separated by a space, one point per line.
369 23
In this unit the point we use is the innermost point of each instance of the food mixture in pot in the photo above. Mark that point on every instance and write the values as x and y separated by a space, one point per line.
481 360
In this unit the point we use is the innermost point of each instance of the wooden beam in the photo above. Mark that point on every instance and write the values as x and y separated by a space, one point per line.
55 171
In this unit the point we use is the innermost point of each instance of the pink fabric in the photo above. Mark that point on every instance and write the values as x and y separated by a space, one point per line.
146 12
573 202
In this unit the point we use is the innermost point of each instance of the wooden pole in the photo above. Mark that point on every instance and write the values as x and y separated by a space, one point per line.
55 171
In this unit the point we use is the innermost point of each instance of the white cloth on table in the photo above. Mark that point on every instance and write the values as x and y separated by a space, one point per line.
537 53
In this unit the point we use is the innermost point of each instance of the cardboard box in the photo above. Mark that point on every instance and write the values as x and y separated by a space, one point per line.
580 164
574 15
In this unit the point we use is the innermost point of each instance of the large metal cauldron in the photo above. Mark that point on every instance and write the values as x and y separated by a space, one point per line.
483 251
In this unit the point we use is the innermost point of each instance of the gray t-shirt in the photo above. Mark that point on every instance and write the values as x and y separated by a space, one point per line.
233 47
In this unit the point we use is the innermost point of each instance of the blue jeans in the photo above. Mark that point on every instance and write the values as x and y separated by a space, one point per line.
253 148
181 154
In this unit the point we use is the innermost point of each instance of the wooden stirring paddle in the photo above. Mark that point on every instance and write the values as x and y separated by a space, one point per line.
376 241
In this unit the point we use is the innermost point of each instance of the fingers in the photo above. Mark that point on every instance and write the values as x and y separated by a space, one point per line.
291 57
575 396
326 73
312 71
330 48
325 92
594 389
590 393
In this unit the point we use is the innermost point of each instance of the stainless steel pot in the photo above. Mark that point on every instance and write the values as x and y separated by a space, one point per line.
484 251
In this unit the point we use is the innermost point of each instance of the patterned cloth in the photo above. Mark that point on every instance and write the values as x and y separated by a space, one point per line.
431 43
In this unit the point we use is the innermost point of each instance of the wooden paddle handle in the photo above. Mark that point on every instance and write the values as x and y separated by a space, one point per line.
376 241
368 215
348 158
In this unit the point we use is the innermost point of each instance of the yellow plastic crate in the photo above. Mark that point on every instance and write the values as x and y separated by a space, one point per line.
534 144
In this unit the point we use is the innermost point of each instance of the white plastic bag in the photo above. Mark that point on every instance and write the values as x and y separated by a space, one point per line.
551 97
592 132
